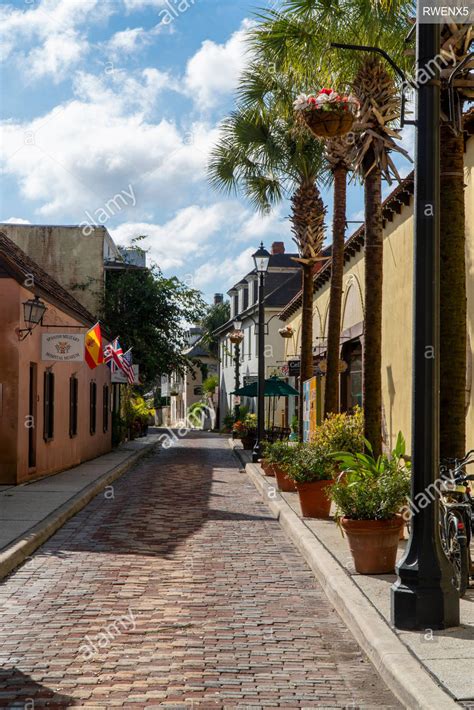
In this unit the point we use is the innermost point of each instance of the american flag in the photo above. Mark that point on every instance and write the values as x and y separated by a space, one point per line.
127 366
113 355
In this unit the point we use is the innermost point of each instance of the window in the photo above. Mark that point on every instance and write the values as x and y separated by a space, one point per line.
48 405
351 379
105 408
73 404
93 407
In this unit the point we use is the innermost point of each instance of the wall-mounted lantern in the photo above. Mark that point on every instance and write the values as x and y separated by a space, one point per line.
33 312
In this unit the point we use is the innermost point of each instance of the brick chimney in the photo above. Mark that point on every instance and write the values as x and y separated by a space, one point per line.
218 298
278 248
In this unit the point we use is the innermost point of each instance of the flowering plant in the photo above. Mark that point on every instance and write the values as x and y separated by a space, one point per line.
326 100
246 427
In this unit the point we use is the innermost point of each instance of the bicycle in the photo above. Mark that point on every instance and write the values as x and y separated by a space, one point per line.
456 518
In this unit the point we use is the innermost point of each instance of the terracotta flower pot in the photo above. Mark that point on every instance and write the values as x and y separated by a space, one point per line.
373 543
327 124
284 482
314 499
267 468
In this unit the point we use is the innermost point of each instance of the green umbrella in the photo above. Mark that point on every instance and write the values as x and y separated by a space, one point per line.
274 387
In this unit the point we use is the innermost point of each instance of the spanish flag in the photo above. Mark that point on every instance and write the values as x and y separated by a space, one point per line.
94 351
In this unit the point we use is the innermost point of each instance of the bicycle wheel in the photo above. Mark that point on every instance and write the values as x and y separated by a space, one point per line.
458 555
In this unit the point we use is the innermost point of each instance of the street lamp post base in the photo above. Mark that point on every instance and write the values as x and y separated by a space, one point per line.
256 453
423 608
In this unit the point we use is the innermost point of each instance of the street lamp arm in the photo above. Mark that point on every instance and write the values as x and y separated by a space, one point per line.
369 48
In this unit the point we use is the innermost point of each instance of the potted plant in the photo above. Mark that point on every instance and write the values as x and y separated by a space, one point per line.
246 430
265 462
369 495
312 469
279 455
327 113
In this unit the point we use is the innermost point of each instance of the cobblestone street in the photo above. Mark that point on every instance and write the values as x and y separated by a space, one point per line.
176 588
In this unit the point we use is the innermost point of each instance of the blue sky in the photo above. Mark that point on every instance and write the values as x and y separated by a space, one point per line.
108 97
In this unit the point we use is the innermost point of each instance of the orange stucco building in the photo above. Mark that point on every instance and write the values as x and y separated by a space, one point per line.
53 414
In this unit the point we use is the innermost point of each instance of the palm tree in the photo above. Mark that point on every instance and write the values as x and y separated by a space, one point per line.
337 151
455 41
297 37
263 152
290 39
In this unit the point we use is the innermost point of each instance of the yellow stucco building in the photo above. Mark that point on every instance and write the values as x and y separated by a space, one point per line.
397 311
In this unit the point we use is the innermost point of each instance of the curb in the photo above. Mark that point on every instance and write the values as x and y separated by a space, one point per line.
14 555
406 676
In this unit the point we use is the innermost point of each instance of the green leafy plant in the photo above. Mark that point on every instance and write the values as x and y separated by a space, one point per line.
371 488
150 313
243 412
209 385
228 422
311 462
342 432
278 453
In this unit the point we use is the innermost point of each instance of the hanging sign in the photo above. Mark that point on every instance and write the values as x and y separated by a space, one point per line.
62 347
294 368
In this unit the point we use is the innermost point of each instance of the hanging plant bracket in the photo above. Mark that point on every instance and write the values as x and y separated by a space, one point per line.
377 50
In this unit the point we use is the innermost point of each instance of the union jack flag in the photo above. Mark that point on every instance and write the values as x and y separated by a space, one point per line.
113 355
127 366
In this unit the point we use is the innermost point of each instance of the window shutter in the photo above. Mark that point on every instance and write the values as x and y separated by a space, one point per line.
45 406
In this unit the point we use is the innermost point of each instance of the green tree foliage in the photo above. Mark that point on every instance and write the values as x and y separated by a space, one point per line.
149 313
217 315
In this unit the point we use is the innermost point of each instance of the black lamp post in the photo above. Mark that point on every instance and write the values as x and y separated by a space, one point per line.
236 338
261 259
423 596
33 312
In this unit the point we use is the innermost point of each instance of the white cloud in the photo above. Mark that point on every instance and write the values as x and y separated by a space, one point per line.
16 220
131 41
83 152
258 227
179 239
56 56
127 41
207 232
119 91
132 5
54 27
213 72
229 270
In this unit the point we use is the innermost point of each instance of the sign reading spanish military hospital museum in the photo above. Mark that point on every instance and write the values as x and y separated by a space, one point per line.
62 347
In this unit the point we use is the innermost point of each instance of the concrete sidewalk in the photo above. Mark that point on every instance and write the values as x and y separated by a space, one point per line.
31 512
428 669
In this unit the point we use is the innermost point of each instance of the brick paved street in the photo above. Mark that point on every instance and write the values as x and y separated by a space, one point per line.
180 591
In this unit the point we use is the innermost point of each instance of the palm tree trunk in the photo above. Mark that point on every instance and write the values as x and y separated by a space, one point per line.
306 370
453 308
372 357
331 398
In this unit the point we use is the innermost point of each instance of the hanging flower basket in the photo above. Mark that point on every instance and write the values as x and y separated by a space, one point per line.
327 114
236 337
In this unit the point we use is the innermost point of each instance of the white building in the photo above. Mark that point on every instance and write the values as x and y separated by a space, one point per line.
186 389
282 283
